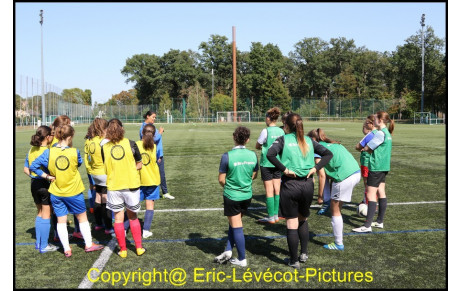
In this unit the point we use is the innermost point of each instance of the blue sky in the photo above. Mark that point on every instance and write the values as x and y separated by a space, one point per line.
87 44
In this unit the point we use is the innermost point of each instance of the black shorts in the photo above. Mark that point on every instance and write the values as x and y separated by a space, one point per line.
269 173
232 208
101 189
39 189
375 178
296 196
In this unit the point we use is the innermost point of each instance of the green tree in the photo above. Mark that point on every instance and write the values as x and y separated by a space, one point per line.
221 102
77 95
165 105
124 98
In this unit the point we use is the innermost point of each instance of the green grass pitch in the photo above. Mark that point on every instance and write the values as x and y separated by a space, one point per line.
409 253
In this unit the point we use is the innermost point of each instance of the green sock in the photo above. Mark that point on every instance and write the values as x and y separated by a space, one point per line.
276 206
270 206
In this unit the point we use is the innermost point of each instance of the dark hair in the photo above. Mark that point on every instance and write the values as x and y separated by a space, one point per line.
294 124
148 132
321 136
385 117
64 131
148 113
273 113
115 131
97 128
41 133
241 135
369 120
285 115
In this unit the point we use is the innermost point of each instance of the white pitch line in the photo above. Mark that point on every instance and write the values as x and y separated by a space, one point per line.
99 264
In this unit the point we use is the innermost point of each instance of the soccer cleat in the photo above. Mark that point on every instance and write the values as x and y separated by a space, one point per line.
270 220
109 231
362 229
276 218
94 247
146 233
295 265
49 248
77 235
334 246
123 253
169 196
68 253
98 227
303 258
140 251
224 257
37 245
324 208
376 224
91 210
242 263
281 218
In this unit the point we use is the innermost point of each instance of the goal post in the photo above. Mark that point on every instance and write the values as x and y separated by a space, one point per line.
427 118
229 116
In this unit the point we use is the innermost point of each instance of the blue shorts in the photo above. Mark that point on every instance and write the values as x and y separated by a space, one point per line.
91 180
65 205
150 193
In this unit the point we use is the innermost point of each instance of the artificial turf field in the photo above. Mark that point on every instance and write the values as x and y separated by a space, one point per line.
188 232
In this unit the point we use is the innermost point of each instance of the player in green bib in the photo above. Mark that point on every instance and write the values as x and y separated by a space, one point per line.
238 168
379 166
296 152
345 174
271 176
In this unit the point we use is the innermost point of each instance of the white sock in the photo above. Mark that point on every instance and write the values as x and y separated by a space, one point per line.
63 235
337 228
86 233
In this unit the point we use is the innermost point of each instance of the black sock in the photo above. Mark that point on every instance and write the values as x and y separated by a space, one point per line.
293 244
107 213
54 224
98 213
382 209
370 213
304 236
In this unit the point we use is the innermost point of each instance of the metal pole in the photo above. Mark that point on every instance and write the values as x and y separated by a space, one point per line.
423 59
212 73
234 74
43 75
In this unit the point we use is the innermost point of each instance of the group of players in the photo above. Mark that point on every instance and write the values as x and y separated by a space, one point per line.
123 172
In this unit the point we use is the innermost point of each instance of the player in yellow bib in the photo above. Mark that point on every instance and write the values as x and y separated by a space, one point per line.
122 160
62 162
150 175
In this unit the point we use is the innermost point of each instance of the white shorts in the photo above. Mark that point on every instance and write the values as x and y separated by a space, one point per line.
117 200
342 191
100 180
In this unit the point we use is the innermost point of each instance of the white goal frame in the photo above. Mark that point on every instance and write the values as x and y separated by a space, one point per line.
228 116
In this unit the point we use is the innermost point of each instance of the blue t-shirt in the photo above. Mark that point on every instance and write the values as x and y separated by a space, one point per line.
157 139
366 139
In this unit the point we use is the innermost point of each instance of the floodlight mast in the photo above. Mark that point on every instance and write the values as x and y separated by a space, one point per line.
422 22
43 75
234 74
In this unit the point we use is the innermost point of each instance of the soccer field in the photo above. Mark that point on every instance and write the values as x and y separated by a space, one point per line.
188 232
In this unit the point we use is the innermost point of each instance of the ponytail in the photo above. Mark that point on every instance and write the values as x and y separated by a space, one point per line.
148 132
63 132
322 137
294 124
385 117
41 133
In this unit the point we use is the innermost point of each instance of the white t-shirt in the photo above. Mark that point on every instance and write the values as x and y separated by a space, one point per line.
263 136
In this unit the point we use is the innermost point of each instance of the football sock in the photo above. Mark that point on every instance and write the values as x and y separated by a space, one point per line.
76 223
91 197
54 224
148 217
239 242
44 226
86 233
337 229
107 215
382 209
230 240
120 234
38 220
370 213
293 244
270 206
276 204
136 232
304 236
63 235
98 213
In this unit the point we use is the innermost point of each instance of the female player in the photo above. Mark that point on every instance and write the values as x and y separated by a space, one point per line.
379 166
238 168
150 176
62 120
39 188
122 160
62 162
150 117
271 176
96 133
297 163
368 130
345 174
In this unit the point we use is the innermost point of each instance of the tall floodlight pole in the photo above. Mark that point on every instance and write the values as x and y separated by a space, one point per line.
212 73
234 75
423 60
43 75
